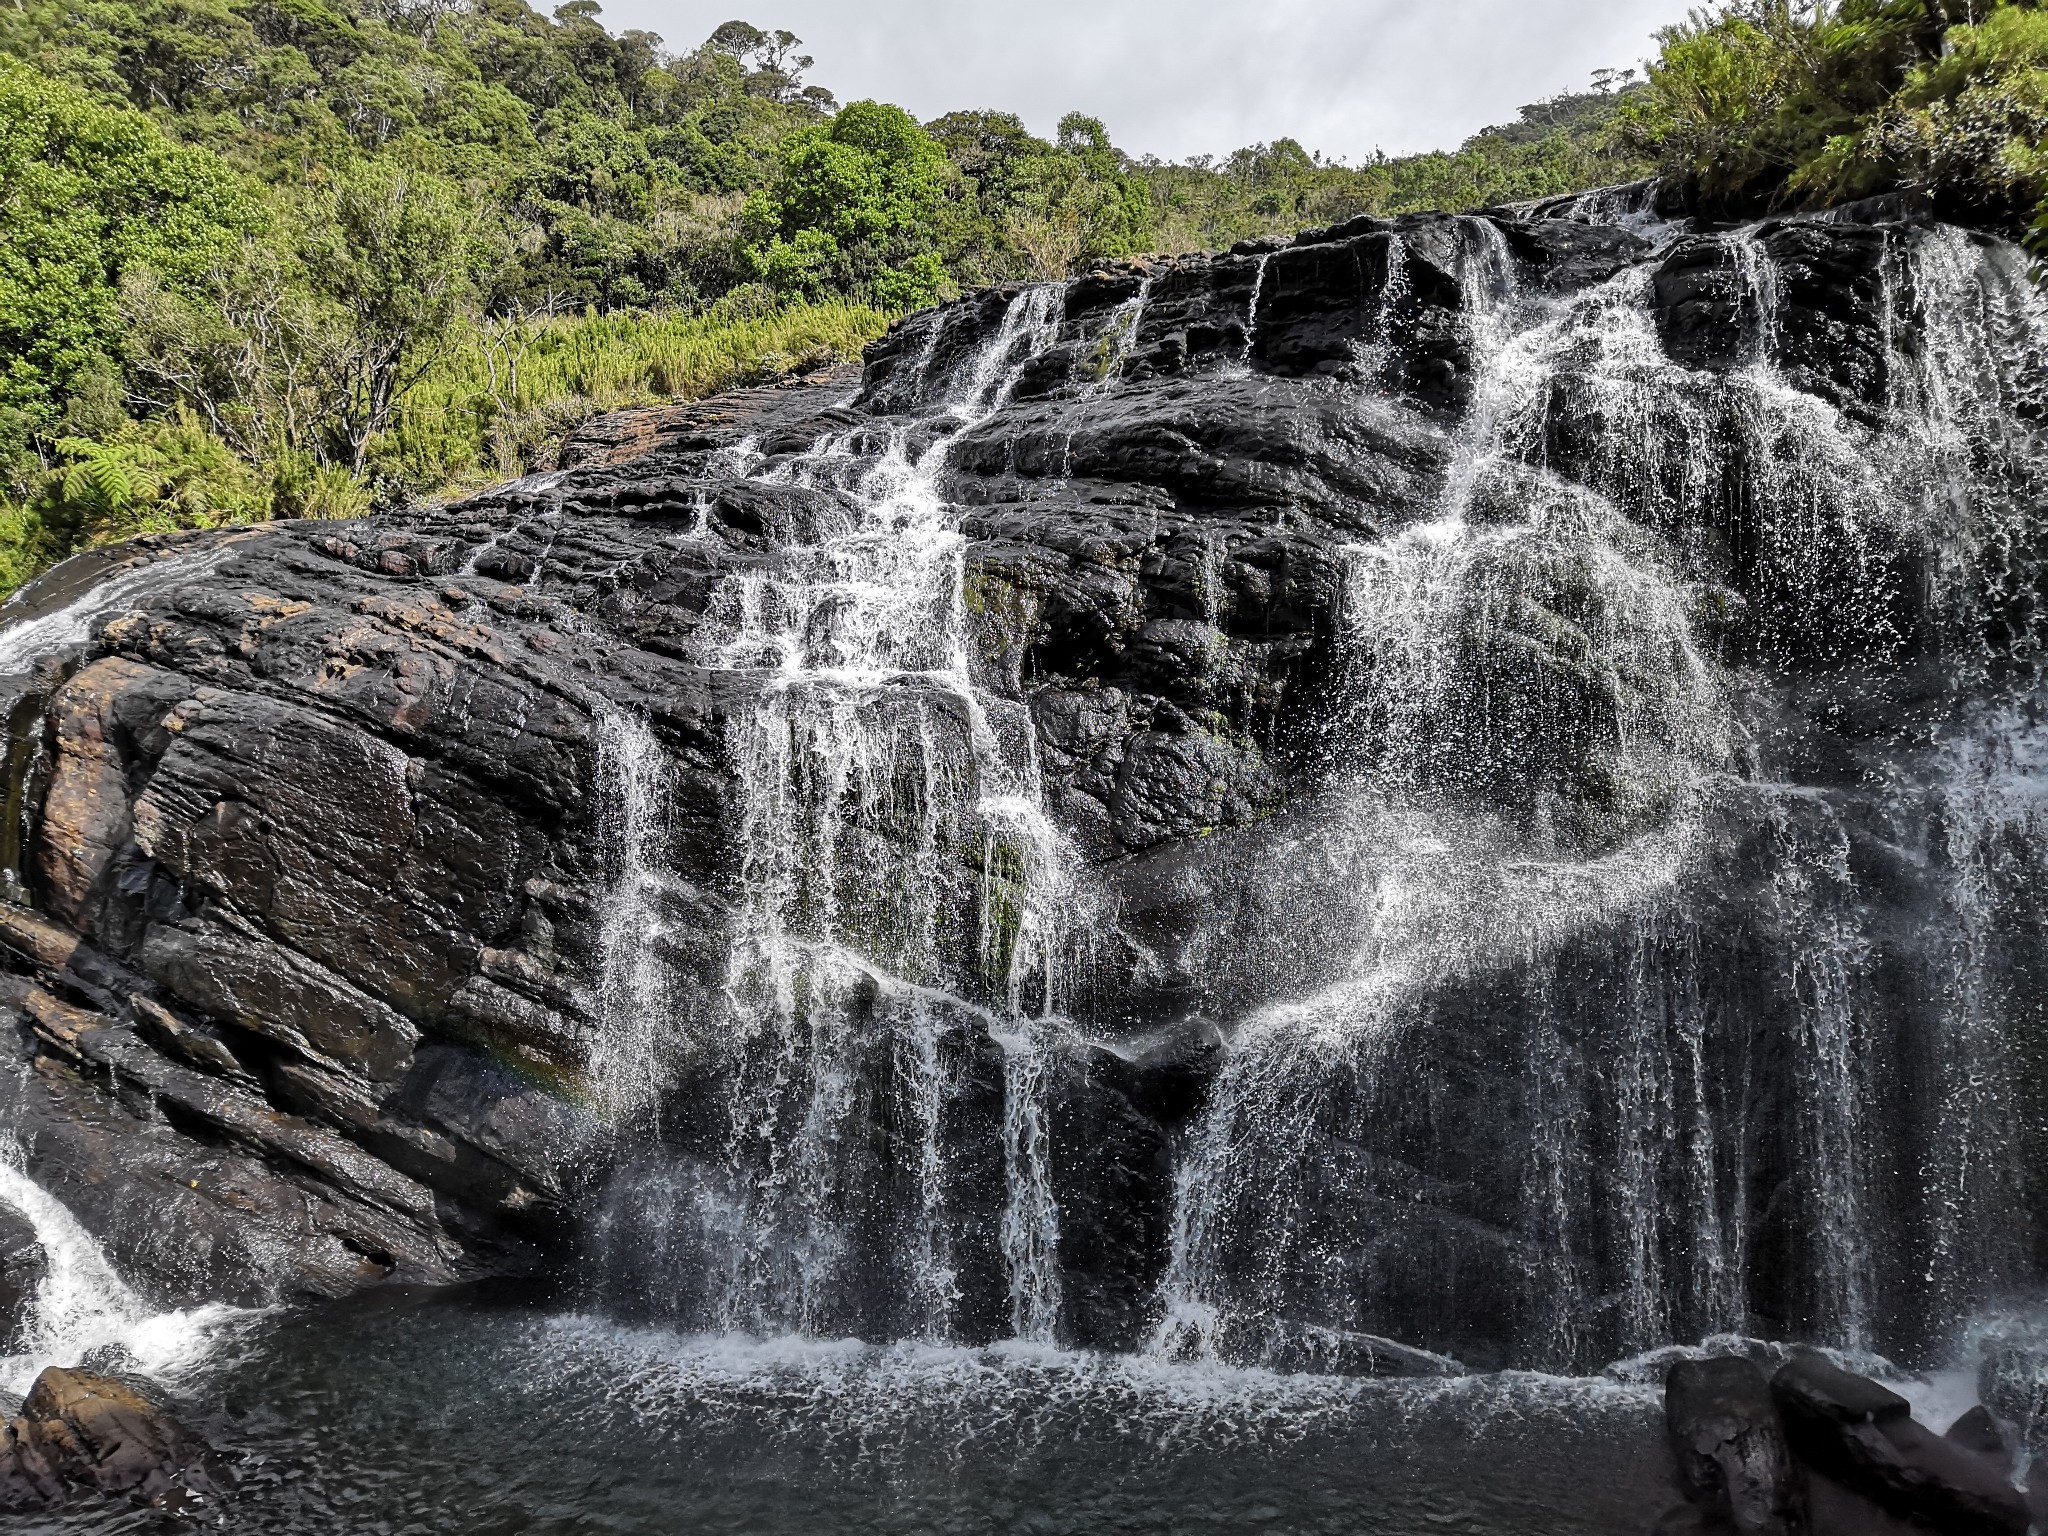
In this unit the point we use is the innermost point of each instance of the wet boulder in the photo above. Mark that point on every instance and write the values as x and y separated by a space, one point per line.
1733 1460
23 1264
2012 1378
1978 1432
80 1434
1864 1436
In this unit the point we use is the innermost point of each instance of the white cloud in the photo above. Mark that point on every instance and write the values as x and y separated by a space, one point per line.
1203 76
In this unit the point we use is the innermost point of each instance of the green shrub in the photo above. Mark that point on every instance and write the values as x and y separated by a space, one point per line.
1766 103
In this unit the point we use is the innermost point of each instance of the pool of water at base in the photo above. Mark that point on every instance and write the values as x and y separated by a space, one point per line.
465 1417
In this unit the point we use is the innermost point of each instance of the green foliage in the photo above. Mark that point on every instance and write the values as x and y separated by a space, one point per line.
164 475
1024 207
1562 145
1766 103
392 253
107 479
89 191
852 209
498 400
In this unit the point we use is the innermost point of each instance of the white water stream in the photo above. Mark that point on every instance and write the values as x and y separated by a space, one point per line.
1536 615
83 1312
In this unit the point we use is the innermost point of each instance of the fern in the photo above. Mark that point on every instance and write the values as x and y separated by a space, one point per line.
108 479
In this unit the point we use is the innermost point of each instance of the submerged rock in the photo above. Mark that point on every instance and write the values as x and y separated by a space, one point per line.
23 1264
80 1434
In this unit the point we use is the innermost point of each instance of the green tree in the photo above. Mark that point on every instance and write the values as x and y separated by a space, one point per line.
89 191
855 206
392 253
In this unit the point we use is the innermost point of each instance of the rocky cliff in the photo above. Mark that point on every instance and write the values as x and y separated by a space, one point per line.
1469 781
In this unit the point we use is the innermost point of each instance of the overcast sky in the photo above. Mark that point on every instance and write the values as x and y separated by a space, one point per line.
1183 77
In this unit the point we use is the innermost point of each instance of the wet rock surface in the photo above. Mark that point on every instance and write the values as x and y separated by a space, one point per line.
319 828
79 1435
1815 1447
1733 1458
1864 1436
23 1265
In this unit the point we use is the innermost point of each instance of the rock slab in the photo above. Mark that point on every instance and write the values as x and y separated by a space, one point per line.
1864 1436
78 1433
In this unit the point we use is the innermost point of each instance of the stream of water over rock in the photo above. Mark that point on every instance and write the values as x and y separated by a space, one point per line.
1531 763
1587 994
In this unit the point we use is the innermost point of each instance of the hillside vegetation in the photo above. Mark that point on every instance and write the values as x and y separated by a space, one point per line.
300 257
1768 104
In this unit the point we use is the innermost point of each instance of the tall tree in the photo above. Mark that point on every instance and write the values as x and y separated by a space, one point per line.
394 253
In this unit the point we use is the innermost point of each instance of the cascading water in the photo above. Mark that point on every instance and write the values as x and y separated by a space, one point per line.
1504 849
1541 764
1538 732
1522 622
881 798
83 1311
29 641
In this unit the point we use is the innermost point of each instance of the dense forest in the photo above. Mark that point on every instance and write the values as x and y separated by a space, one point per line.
295 257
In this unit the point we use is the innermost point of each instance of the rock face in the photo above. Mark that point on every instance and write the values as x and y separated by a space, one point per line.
83 1434
1461 781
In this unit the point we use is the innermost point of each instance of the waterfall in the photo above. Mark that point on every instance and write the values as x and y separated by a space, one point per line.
1526 618
1118 340
1521 1062
83 1311
880 797
27 642
631 1063
1536 727
1251 313
1813 889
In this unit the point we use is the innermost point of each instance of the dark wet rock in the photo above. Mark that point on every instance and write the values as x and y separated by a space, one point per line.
2012 1378
1834 1509
79 1435
1863 1435
1812 1389
1113 1177
23 1263
1733 1459
1979 1433
313 858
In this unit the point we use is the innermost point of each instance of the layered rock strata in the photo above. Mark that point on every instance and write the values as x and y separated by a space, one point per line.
315 830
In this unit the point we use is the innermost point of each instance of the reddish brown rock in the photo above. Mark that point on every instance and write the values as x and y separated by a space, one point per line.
80 1434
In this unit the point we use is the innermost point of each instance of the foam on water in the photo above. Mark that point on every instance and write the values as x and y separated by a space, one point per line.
1017 1391
84 1313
